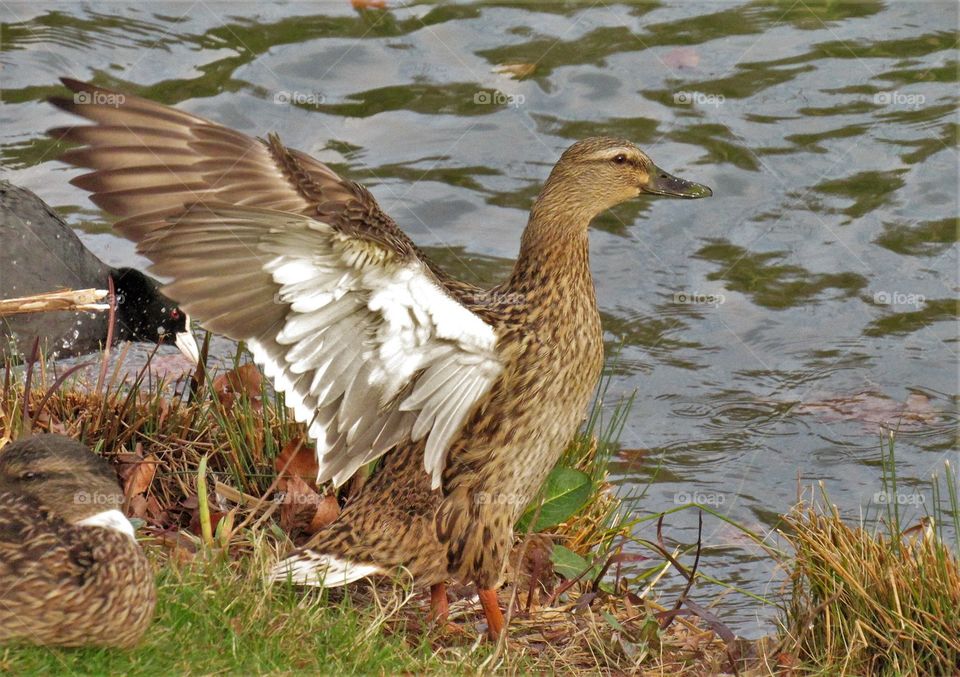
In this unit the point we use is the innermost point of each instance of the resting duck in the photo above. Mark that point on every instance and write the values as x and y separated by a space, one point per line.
41 253
470 395
71 572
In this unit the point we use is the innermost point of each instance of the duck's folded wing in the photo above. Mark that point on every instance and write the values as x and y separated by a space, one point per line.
266 244
366 345
35 549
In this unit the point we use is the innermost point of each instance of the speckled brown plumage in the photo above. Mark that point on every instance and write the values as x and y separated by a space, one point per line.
63 584
270 246
550 335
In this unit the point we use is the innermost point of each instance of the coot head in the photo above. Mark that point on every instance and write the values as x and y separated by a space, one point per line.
144 314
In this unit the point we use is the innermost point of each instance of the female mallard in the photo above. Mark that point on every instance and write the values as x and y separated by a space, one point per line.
470 394
71 572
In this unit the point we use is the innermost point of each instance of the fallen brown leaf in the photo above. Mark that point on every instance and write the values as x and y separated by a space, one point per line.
215 517
156 512
137 506
141 476
369 4
297 460
303 510
179 546
517 71
327 512
245 379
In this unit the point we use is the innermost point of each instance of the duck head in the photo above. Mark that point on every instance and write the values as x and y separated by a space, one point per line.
600 172
67 478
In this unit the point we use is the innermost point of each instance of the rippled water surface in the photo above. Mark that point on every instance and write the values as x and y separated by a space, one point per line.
770 332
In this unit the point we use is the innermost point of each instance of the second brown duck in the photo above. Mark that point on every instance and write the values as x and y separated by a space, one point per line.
471 395
71 572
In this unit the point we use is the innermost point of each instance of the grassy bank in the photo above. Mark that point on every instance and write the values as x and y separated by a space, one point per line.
570 605
881 600
199 462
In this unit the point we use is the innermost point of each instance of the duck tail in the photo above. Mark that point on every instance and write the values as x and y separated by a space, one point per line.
306 567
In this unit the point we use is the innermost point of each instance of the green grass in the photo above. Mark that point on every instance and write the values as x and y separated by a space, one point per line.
215 615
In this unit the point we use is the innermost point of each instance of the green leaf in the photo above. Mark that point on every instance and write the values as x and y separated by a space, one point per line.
567 563
565 492
611 621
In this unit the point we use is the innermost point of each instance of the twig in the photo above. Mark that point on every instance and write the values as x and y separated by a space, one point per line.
693 573
75 300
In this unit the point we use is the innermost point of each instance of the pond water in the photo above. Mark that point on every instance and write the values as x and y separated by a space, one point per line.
771 332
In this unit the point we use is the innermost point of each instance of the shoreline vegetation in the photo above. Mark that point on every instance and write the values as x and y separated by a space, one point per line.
218 481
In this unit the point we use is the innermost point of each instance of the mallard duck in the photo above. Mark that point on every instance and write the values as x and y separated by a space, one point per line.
71 572
470 395
41 253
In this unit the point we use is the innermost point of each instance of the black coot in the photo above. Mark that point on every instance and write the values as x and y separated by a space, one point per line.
40 253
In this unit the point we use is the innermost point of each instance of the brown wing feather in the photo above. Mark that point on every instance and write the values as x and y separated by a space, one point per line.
150 161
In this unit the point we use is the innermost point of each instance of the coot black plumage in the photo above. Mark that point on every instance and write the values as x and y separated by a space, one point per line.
40 253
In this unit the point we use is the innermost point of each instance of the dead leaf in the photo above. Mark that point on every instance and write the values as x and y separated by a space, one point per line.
215 517
872 408
327 512
180 548
535 574
244 380
297 460
369 4
137 506
140 476
156 512
517 71
303 510
682 57
164 413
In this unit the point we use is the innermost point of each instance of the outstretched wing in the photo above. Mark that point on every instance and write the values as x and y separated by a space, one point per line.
264 244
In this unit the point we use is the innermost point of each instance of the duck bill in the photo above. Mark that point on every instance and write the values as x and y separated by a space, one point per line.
662 183
188 346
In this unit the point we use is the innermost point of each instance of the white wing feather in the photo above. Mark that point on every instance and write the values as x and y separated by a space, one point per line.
371 350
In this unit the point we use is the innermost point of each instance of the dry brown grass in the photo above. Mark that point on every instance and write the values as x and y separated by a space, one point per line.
871 603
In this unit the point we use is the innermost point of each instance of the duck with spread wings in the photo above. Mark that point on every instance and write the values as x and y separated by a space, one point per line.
470 395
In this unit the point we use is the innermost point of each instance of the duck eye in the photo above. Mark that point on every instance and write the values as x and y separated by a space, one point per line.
620 159
29 475
175 314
